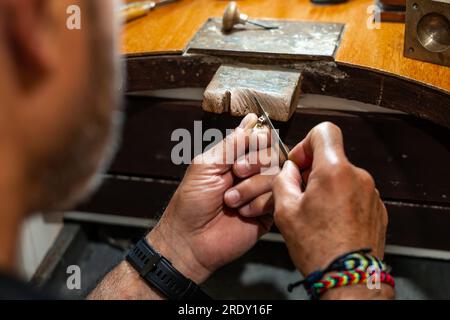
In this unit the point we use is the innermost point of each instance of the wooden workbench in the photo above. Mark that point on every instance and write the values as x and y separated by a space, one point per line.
168 30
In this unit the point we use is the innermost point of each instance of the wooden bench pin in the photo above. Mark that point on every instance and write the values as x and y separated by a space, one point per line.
233 87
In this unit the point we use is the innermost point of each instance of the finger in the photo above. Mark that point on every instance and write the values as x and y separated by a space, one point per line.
377 192
232 147
323 145
260 206
287 185
252 163
248 190
259 138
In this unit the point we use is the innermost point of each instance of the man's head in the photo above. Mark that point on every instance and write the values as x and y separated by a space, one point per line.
58 91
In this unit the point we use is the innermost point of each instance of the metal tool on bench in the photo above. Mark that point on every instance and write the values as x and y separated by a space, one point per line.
135 10
232 16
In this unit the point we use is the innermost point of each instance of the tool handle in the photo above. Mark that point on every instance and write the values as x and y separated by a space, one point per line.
134 12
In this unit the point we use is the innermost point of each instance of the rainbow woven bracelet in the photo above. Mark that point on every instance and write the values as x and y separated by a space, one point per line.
347 278
357 267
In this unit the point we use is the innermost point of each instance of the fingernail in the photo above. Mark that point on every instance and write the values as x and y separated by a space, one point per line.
286 164
233 196
242 165
241 162
244 122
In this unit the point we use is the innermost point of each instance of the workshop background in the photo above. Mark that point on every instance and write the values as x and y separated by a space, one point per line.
381 72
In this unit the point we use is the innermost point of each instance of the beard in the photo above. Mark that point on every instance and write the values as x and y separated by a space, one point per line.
70 174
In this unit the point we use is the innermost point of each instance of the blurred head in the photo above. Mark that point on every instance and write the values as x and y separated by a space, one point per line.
58 98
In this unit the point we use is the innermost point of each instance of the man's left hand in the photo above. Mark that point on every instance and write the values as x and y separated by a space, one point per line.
198 232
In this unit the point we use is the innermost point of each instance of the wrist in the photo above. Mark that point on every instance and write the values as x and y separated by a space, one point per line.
360 292
320 259
124 283
177 250
354 275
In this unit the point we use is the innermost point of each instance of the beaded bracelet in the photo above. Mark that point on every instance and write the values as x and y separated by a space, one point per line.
352 268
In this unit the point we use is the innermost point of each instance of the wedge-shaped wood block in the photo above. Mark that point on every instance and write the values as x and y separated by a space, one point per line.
233 87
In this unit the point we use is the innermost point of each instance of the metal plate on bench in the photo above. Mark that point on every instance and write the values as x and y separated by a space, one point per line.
292 40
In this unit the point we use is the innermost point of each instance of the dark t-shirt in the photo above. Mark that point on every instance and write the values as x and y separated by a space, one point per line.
14 289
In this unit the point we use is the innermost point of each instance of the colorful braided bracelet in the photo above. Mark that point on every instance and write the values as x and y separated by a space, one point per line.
356 267
347 278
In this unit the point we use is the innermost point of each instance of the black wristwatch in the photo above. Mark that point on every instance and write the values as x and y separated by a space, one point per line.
158 272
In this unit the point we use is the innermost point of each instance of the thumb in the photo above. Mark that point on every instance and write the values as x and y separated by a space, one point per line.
287 185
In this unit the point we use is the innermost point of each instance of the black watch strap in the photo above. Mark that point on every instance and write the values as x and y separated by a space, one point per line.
159 272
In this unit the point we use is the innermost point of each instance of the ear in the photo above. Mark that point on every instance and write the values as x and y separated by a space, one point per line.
29 26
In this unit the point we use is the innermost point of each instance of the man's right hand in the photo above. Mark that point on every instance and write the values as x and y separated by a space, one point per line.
339 212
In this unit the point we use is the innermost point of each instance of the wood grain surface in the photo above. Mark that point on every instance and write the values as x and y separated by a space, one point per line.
169 29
